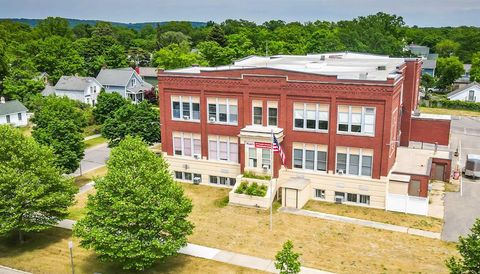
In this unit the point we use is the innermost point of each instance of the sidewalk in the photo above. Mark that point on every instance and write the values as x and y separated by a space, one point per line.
223 256
372 224
8 270
92 136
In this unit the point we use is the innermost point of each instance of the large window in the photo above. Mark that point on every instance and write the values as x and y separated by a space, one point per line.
219 180
310 116
186 144
252 157
310 157
272 116
187 176
224 111
266 158
186 108
320 193
223 148
354 162
359 120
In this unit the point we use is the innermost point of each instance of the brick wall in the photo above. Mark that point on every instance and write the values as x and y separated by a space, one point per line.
430 131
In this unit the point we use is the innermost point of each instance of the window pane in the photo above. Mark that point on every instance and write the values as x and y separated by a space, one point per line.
212 150
367 165
177 145
343 118
298 158
19 117
311 119
223 151
266 157
233 114
178 175
222 113
320 193
234 152
232 181
299 118
252 156
197 147
356 118
257 116
299 123
196 111
272 117
188 176
354 162
365 199
322 160
187 147
341 162
176 110
223 180
352 197
309 159
212 111
186 110
213 179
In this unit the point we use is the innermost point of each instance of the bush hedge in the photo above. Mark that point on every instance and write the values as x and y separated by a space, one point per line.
249 174
455 104
252 189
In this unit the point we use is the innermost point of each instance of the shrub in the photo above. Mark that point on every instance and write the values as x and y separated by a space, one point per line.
242 188
249 174
455 104
252 189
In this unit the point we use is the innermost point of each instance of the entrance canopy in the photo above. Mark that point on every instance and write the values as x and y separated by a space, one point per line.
256 133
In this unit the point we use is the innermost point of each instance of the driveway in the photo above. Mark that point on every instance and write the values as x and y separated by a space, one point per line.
94 158
461 211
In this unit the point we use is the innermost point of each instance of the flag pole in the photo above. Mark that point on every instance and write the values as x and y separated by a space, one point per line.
271 178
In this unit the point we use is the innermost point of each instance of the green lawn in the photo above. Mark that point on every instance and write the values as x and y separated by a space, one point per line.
95 141
447 111
90 176
47 252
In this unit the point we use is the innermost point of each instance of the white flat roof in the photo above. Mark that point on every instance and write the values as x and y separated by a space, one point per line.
344 65
416 161
433 116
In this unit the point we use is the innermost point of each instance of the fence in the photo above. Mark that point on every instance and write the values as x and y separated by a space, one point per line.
407 204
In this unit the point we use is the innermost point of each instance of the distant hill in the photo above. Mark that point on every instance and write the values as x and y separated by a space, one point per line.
74 22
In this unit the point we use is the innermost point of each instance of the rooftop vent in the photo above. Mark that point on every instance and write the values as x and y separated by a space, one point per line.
363 76
2 100
382 68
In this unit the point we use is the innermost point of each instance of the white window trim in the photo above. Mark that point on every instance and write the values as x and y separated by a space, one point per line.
182 144
362 133
315 197
304 159
347 166
217 158
181 101
268 116
217 113
253 115
317 116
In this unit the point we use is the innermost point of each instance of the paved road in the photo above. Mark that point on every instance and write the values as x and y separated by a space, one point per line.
461 211
95 157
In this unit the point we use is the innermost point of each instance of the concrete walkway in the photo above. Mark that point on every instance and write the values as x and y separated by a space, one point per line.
223 256
86 187
92 136
372 224
8 270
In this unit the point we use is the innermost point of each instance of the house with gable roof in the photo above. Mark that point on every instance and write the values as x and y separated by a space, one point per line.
125 81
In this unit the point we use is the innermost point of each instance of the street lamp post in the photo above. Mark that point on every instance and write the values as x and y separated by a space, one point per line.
70 246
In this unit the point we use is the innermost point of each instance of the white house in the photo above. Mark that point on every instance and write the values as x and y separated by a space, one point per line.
469 93
13 112
125 81
83 89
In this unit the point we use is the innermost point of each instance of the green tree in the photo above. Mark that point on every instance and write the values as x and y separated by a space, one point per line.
324 41
177 56
215 54
135 120
34 193
427 81
286 260
53 26
240 45
139 213
107 104
3 62
116 57
469 249
59 123
475 69
217 35
448 70
20 83
172 37
446 48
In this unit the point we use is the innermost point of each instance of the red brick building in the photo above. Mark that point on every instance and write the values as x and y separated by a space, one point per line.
338 117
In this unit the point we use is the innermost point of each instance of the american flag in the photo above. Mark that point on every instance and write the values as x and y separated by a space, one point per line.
278 148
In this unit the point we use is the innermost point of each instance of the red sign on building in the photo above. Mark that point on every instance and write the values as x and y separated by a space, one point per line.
263 145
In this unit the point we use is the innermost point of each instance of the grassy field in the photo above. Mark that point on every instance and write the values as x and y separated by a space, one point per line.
456 112
47 252
95 141
327 245
378 215
77 211
89 176
26 130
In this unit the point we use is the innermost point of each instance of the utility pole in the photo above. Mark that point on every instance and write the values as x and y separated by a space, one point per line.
271 179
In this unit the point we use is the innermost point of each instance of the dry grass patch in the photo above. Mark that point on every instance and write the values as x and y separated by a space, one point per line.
78 210
377 215
449 187
448 111
47 252
327 245
90 176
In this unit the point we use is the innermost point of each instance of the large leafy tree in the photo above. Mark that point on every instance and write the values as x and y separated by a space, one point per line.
34 193
469 249
53 26
177 56
448 70
286 260
139 213
107 104
446 48
324 41
475 69
59 123
21 81
135 120
215 54
172 37
217 35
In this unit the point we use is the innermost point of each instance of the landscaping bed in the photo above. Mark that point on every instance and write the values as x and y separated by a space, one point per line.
251 193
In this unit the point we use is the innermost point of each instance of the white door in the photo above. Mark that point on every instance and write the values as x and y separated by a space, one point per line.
290 197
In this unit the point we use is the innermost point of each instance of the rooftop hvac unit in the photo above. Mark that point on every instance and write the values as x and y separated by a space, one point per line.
197 180
212 119
382 68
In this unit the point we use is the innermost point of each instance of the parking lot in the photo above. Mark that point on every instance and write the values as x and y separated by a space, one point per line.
462 210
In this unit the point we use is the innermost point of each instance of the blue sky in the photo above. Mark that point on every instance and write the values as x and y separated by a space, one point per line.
415 12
